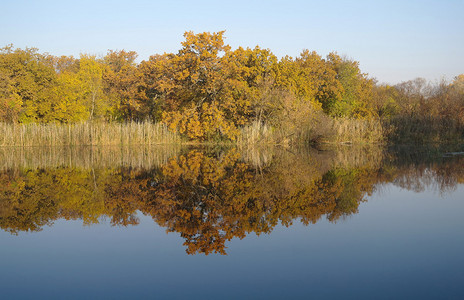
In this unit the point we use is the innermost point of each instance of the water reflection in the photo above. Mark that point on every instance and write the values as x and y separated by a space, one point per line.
208 196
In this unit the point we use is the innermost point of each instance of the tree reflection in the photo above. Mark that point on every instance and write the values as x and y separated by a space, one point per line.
210 197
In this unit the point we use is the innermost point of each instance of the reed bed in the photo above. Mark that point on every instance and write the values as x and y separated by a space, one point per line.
263 134
423 130
357 131
87 134
257 133
328 130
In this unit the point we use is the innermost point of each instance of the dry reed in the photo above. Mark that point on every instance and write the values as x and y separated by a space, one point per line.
425 129
147 133
328 130
357 131
257 133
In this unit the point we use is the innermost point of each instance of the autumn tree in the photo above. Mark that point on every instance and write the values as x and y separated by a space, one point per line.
410 95
10 100
196 88
26 82
385 104
72 104
123 81
90 76
251 75
455 96
79 90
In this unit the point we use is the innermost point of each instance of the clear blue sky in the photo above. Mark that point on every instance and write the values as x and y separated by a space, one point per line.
393 40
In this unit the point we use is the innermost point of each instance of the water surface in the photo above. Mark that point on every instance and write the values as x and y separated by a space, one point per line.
230 223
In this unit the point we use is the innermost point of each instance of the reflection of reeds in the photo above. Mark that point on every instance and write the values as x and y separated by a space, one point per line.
85 157
258 157
353 156
154 156
330 156
86 134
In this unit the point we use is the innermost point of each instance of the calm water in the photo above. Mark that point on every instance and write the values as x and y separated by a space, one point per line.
223 223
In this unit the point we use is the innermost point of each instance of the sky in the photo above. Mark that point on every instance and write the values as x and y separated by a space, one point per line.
394 41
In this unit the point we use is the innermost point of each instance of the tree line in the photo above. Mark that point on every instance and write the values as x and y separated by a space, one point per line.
207 91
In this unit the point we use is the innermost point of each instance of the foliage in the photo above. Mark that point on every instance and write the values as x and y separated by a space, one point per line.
356 98
25 82
210 92
122 80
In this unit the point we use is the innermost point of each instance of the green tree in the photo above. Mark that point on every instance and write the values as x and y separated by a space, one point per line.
356 100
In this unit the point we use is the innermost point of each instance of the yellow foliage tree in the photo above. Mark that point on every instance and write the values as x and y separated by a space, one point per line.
90 76
196 88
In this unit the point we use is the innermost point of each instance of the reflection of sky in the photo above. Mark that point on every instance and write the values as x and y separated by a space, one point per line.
400 243
394 40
